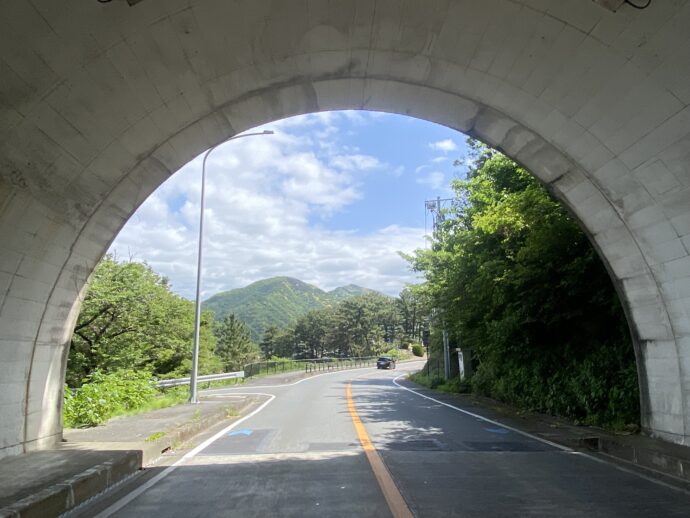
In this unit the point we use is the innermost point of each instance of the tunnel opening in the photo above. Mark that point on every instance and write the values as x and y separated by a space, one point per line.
314 186
102 102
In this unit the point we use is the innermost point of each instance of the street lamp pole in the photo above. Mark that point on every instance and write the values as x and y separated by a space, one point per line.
193 397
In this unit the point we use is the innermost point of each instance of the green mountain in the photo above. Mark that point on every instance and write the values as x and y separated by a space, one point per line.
345 292
278 301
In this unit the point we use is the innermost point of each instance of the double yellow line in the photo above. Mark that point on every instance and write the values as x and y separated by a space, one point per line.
390 490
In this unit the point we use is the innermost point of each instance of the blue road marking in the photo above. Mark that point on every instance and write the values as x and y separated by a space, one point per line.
245 433
497 430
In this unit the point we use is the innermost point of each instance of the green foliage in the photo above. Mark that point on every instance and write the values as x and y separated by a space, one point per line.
393 353
155 436
130 319
362 325
436 382
516 280
234 346
413 309
104 395
417 350
276 302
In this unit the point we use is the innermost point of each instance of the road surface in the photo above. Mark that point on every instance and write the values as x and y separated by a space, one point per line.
359 443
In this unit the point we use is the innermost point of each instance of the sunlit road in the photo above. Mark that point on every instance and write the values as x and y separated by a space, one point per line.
301 455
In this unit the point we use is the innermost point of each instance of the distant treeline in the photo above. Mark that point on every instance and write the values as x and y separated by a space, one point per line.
131 319
358 326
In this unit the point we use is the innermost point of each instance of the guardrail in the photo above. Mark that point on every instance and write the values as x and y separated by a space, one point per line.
308 365
334 364
206 377
278 366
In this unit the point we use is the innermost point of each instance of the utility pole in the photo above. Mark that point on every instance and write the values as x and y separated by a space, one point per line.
435 208
446 355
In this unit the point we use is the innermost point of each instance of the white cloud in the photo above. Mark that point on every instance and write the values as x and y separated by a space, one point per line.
446 145
262 194
355 162
434 179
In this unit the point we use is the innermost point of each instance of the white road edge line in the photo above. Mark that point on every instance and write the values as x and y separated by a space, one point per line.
190 454
550 443
486 419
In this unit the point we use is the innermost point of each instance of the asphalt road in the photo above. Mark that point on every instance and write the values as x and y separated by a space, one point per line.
302 455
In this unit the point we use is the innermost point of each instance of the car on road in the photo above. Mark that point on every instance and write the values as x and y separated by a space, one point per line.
384 362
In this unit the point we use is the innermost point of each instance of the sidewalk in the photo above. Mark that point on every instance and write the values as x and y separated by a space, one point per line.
49 482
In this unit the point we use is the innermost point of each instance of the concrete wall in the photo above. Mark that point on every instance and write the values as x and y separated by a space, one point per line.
100 103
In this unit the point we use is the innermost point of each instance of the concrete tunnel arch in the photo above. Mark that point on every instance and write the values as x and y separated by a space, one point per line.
71 179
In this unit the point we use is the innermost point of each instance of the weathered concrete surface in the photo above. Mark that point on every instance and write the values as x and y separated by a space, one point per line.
50 482
100 103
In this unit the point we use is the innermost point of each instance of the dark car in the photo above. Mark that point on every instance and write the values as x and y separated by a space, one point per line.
385 363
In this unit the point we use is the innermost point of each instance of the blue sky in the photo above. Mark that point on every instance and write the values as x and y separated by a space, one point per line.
329 199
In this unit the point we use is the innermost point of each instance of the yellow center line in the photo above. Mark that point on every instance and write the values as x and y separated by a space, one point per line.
395 500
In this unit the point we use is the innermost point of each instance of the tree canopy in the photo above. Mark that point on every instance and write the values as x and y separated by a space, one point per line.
130 319
513 277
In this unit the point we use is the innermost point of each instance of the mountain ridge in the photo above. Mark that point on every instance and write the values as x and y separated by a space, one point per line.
276 301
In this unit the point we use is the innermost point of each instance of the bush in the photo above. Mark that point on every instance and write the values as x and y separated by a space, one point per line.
437 382
418 350
103 395
393 353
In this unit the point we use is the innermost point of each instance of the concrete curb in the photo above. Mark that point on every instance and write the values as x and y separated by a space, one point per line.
673 461
65 496
59 498
154 449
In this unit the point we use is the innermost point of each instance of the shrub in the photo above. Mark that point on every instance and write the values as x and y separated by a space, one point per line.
418 350
103 395
393 353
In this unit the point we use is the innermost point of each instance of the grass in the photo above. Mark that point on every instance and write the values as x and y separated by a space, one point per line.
155 436
170 397
435 382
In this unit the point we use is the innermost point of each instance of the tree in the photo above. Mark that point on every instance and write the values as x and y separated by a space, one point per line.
234 346
310 331
357 325
130 319
513 277
413 308
268 345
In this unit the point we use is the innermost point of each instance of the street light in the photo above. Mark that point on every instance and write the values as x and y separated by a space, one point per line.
197 304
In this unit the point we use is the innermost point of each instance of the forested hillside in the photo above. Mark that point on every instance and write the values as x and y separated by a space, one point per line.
513 277
275 302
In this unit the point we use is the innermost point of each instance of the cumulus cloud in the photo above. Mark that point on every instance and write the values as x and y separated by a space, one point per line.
446 145
261 195
434 179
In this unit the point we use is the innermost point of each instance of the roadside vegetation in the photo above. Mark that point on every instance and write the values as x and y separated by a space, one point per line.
513 278
509 275
133 330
